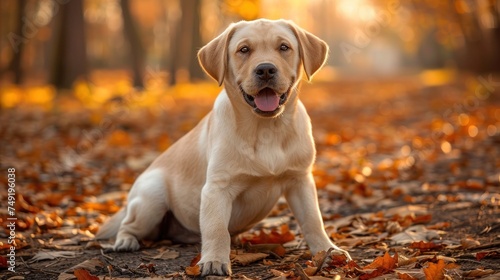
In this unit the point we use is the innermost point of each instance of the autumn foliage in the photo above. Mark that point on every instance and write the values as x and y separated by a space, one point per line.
397 172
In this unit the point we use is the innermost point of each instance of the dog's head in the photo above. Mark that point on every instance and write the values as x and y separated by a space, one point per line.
264 60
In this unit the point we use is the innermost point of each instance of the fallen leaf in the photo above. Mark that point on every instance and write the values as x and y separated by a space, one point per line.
478 273
373 274
82 274
282 274
248 258
164 255
425 246
415 234
469 243
405 276
193 270
490 254
91 265
278 249
195 260
435 271
150 267
310 270
385 262
273 237
50 255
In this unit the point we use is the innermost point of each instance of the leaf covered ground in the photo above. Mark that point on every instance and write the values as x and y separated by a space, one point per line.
408 177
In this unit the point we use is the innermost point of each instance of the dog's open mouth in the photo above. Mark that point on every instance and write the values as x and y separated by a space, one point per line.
267 102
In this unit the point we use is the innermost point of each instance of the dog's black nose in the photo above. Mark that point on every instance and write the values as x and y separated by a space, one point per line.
265 71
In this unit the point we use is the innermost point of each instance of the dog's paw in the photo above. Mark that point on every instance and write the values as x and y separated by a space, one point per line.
215 268
126 242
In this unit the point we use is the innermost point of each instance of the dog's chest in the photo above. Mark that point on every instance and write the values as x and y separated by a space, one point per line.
271 156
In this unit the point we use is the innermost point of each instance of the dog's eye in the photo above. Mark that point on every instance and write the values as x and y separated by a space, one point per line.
284 47
244 49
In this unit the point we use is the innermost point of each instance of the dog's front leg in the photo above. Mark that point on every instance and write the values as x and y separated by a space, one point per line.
302 198
215 213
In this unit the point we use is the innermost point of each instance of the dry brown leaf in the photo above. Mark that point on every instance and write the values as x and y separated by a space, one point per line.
82 274
426 246
164 255
478 272
310 270
319 258
278 249
50 255
385 262
88 265
150 267
469 243
273 237
415 234
490 254
267 262
403 260
435 271
279 273
248 258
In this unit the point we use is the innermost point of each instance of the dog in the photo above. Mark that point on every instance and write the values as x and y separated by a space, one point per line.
228 172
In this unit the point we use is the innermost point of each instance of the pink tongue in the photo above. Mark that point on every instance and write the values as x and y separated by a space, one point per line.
267 100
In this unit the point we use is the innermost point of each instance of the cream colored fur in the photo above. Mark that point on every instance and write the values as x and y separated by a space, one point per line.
226 174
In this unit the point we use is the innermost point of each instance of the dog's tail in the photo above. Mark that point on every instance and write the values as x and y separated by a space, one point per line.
109 229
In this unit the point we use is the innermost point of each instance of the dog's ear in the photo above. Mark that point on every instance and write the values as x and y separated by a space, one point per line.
313 51
213 56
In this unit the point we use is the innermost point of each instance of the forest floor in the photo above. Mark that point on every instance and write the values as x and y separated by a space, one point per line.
408 178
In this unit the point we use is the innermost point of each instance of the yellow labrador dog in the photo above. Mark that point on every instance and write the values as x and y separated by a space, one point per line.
226 174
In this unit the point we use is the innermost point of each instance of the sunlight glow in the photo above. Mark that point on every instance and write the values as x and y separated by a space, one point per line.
361 10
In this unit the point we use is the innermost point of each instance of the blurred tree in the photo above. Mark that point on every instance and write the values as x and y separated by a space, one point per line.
470 30
185 42
136 48
15 63
69 57
480 25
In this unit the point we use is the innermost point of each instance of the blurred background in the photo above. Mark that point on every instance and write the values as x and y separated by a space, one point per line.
152 42
406 110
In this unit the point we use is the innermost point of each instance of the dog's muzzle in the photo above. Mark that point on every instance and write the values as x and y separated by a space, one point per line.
267 102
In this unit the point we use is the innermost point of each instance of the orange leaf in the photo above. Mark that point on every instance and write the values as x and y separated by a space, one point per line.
82 274
435 271
385 262
338 260
491 254
195 260
274 237
193 270
422 219
376 273
425 246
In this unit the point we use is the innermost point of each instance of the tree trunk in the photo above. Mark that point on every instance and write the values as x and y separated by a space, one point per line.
136 48
15 65
195 71
186 42
69 57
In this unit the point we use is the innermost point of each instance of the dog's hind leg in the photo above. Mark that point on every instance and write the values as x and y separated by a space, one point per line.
147 204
